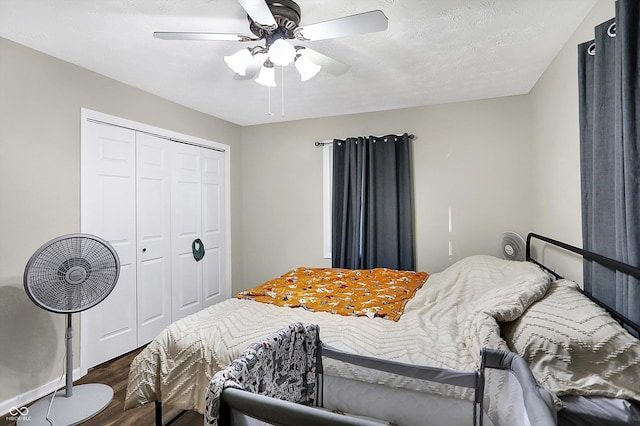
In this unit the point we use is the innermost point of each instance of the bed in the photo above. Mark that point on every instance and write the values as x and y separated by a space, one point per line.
476 303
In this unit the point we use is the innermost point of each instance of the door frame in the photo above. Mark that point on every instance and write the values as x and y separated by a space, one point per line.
87 116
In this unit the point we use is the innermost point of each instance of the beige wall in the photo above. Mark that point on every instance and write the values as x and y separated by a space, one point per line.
555 147
472 157
40 101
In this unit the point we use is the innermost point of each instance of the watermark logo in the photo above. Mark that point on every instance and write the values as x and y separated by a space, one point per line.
18 414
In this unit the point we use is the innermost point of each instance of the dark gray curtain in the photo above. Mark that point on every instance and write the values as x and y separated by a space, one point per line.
372 203
609 87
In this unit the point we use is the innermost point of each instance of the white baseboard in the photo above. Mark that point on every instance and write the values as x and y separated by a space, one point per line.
33 395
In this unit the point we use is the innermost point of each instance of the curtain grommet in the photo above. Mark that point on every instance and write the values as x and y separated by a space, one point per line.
592 49
611 31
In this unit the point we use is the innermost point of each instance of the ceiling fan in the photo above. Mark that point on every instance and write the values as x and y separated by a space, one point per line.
275 22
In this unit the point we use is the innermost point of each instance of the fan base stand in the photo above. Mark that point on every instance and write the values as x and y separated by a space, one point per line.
85 402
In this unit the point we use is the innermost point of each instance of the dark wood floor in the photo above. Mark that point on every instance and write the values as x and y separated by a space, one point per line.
114 373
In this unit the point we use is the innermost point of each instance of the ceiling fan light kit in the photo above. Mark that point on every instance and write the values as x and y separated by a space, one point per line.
275 22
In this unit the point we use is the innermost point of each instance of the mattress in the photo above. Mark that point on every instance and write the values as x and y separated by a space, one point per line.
447 322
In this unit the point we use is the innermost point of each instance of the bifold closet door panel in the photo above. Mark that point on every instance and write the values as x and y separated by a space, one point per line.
109 211
213 220
186 226
153 169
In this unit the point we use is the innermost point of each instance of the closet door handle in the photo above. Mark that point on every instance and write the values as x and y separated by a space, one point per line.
144 249
197 247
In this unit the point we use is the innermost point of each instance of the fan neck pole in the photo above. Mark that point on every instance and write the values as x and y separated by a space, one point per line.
69 377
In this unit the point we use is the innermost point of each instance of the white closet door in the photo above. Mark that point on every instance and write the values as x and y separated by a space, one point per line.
213 200
186 226
153 162
151 198
109 329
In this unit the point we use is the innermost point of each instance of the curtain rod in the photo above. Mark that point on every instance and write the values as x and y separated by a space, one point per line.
319 143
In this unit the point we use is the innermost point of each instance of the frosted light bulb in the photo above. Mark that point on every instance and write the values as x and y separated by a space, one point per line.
306 68
267 76
282 53
239 61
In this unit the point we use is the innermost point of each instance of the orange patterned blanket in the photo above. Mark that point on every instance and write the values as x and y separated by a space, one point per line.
376 292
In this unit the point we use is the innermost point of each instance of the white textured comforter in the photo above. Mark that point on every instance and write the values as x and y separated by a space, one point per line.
446 324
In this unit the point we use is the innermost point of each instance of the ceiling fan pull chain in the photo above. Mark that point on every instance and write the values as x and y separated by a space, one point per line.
282 90
269 101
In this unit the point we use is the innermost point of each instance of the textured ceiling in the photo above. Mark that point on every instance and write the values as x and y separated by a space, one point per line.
434 51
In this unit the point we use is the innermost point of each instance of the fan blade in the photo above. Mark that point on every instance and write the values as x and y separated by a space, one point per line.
259 11
254 67
368 22
328 64
202 36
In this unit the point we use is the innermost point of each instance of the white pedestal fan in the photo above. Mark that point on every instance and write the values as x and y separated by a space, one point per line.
66 275
512 246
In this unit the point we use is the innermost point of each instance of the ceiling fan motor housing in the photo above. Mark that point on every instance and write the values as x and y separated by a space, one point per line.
287 16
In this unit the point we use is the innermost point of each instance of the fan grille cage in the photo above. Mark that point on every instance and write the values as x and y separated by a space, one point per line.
512 246
71 273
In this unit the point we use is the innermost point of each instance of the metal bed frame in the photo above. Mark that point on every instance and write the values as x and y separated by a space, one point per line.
588 255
